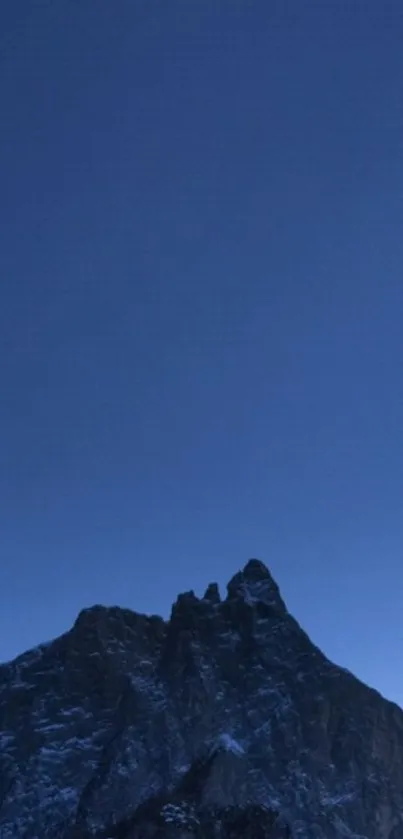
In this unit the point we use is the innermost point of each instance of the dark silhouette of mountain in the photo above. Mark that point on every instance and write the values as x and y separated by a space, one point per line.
223 722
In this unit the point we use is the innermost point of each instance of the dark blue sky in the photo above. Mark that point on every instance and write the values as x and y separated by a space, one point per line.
201 316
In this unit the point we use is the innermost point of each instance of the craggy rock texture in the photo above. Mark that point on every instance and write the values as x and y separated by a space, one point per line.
225 721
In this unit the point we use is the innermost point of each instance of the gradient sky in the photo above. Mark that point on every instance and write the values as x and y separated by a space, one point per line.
202 312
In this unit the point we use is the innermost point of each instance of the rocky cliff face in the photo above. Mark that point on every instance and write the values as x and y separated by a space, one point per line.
224 721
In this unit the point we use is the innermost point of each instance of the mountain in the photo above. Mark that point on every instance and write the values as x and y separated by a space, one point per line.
225 721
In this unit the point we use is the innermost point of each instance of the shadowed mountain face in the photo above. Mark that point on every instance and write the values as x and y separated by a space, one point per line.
224 722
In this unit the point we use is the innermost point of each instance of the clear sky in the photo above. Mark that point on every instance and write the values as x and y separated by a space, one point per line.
201 312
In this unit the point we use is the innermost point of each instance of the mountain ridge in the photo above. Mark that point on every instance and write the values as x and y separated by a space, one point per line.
116 712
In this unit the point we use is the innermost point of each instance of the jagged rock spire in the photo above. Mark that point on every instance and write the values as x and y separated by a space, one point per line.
255 583
212 593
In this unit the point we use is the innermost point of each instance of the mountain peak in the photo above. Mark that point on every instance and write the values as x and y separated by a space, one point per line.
255 584
256 569
130 726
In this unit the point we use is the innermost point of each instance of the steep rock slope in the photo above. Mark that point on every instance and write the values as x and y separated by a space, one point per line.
119 711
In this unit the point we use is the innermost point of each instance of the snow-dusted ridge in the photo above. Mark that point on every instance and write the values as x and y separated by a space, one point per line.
225 708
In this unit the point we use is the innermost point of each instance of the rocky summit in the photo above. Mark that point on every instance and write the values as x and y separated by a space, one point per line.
223 722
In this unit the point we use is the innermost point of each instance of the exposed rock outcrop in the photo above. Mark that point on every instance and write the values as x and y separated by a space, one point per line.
225 712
